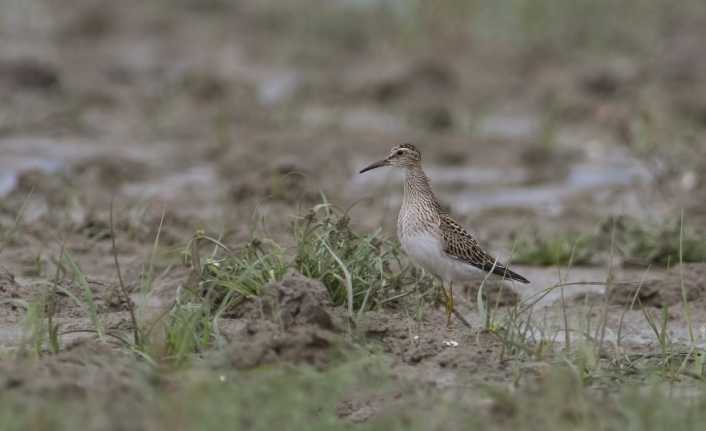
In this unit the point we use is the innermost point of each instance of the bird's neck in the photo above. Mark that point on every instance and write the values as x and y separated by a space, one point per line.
420 209
417 189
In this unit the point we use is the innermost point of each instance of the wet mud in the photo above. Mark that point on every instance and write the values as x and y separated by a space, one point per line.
232 119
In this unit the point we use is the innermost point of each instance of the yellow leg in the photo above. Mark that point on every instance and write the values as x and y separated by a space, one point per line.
451 307
449 304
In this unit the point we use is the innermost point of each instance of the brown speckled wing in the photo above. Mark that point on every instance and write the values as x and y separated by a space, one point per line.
461 245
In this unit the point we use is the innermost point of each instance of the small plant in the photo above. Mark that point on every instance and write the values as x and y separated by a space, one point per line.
667 243
639 242
357 269
35 327
245 272
189 329
561 249
87 301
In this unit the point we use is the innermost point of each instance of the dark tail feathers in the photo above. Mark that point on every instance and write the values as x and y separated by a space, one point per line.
509 275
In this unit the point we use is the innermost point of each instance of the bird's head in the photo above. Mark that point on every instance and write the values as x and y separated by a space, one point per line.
402 156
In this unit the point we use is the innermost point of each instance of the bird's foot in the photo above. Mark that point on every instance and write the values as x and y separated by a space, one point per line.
449 308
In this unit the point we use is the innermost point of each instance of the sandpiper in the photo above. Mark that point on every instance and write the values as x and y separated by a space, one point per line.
431 238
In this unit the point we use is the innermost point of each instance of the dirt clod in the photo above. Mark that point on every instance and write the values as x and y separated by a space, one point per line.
88 369
297 300
422 76
662 292
29 74
284 181
111 171
262 342
292 322
9 288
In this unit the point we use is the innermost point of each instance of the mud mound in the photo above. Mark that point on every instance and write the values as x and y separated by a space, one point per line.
430 342
286 180
110 171
297 300
29 74
9 290
292 322
259 343
52 187
412 342
89 369
8 286
662 292
90 377
420 78
611 79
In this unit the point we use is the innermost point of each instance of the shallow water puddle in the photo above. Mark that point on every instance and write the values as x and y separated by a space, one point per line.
473 189
441 176
170 186
581 178
48 155
11 168
543 278
277 88
584 306
508 126
10 336
355 119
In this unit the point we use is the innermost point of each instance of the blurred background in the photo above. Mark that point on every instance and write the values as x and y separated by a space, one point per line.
532 115
568 135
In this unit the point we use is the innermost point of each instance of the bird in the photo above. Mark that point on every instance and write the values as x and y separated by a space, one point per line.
431 237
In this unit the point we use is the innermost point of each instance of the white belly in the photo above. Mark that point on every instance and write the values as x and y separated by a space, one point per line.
426 251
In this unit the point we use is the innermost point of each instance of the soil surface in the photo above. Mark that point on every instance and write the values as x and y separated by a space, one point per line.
233 117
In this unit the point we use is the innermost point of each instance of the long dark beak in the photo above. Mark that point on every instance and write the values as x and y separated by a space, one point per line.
375 165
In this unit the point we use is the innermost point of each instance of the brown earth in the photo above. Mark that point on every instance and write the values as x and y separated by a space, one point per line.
683 282
235 117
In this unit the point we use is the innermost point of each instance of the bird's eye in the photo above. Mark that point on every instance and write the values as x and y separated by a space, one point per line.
400 152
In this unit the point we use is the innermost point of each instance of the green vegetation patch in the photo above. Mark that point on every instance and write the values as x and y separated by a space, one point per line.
359 395
356 269
665 243
560 249
639 242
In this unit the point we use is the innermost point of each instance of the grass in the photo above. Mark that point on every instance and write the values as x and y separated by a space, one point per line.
585 349
565 404
581 346
358 270
555 25
562 29
590 382
364 271
355 268
306 399
664 243
303 398
638 242
243 275
361 271
556 250
297 398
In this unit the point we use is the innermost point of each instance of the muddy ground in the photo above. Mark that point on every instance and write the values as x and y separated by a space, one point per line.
235 117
